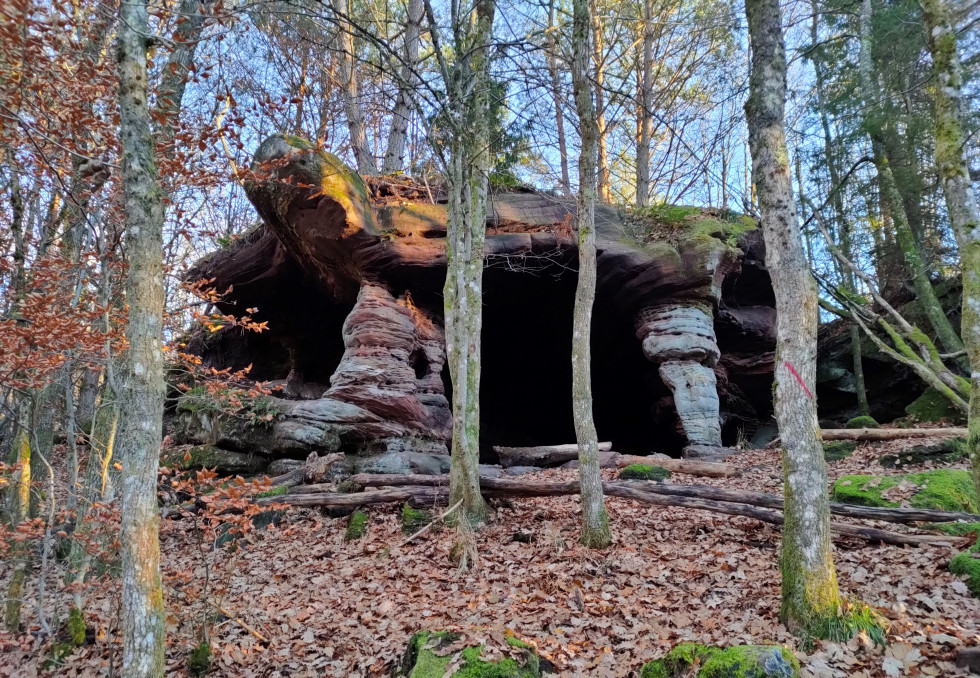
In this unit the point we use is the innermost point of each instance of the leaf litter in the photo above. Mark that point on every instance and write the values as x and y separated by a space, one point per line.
329 607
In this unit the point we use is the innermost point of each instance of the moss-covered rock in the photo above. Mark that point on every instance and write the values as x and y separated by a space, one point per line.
947 490
357 526
863 421
225 462
273 492
414 520
644 472
738 661
945 452
836 450
933 406
422 659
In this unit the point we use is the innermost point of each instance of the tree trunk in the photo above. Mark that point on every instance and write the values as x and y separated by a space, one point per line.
470 165
645 114
143 391
556 96
17 504
961 201
595 521
348 85
542 455
603 185
809 581
892 197
402 115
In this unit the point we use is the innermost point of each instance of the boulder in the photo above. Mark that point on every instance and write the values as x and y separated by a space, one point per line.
350 285
743 661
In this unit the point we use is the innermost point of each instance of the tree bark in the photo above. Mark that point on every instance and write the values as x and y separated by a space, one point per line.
645 114
348 84
809 580
402 115
143 391
469 168
595 520
961 201
603 184
556 96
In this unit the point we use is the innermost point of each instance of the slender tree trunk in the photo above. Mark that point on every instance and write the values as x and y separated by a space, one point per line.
556 96
809 581
605 189
143 391
646 117
349 90
892 198
470 165
17 503
961 201
402 116
595 521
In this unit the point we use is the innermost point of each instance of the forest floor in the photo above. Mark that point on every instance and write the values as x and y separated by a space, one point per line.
327 607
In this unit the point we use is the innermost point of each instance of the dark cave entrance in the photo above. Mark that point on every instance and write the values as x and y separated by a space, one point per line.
526 383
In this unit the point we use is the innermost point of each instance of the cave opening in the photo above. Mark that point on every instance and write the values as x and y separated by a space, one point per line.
526 382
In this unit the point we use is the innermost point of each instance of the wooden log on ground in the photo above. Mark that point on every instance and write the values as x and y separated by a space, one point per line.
542 455
312 470
536 488
872 434
692 467
891 515
499 487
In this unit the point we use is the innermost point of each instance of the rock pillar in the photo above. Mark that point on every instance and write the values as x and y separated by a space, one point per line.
680 340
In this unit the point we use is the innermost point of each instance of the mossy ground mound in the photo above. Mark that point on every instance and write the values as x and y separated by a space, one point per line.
933 406
685 226
863 421
944 452
966 563
644 472
357 526
947 490
414 520
838 449
738 661
422 659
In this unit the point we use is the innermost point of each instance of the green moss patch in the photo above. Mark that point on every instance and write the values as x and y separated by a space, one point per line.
853 618
357 526
687 227
644 472
863 421
422 659
414 520
274 492
199 662
738 661
933 406
946 451
947 490
838 449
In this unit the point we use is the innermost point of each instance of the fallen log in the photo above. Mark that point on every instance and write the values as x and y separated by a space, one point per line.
872 434
312 470
541 489
499 487
542 455
692 467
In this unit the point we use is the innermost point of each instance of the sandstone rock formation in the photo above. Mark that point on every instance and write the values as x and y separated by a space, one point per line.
349 278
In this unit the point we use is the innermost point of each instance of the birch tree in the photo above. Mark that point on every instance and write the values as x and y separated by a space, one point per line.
143 391
809 581
595 521
961 201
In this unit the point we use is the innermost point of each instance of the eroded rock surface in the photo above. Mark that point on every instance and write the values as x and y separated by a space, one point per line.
351 288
